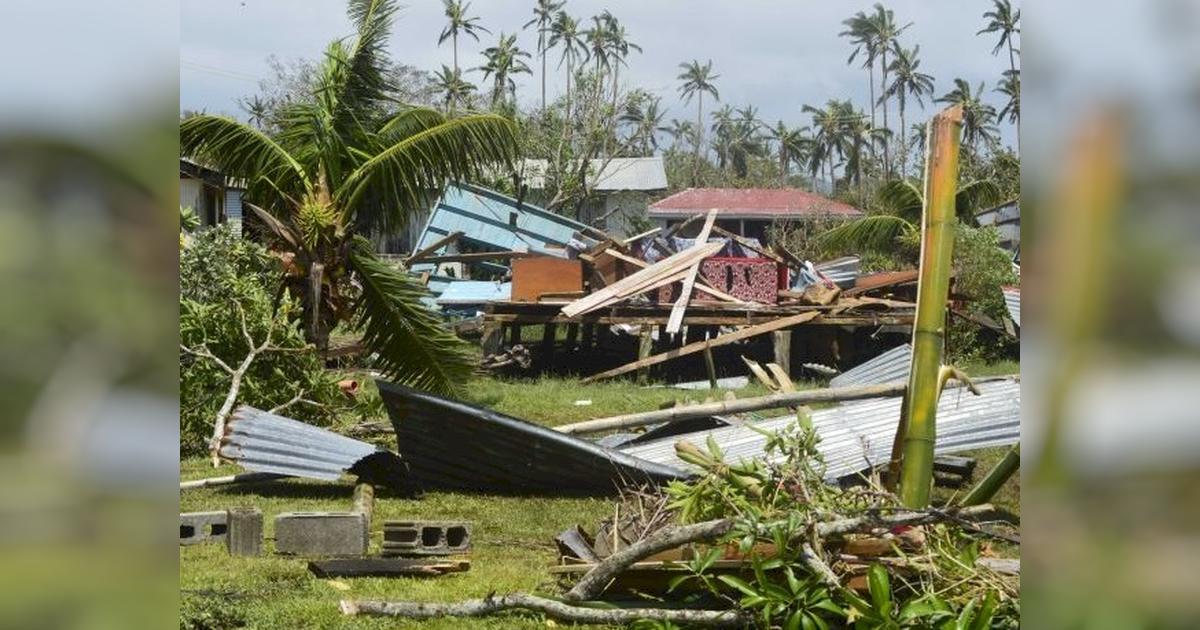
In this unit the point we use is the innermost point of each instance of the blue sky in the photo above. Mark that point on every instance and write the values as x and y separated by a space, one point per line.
775 55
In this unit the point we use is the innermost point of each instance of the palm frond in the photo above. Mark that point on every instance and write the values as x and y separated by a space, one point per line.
413 346
878 233
408 169
975 196
900 198
238 150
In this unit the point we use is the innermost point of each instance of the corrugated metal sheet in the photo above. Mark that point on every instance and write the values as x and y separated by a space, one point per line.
645 174
1012 299
493 221
855 436
750 202
841 271
889 367
264 442
474 292
453 445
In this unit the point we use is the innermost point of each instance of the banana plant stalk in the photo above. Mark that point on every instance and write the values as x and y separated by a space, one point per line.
990 484
937 249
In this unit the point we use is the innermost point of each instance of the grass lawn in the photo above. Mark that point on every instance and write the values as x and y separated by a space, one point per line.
512 540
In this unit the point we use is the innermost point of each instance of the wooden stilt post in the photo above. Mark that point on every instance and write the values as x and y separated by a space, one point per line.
783 350
548 333
711 366
645 346
514 332
589 336
572 335
493 338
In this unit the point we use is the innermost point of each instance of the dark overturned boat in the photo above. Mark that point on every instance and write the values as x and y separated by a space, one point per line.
450 445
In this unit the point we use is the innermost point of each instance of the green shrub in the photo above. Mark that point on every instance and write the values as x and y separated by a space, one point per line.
226 280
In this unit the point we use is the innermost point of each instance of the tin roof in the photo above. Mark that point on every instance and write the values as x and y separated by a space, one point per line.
640 173
750 203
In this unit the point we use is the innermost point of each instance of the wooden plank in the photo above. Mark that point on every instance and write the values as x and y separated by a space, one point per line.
675 320
640 281
729 407
438 244
761 374
781 375
783 350
633 239
384 567
744 333
711 367
703 285
742 241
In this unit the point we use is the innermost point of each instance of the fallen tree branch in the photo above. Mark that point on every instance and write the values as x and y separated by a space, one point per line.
552 608
595 581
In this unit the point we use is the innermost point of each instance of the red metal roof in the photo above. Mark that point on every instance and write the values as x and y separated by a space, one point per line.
751 202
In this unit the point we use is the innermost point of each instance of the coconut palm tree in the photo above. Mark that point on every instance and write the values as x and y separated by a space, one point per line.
895 218
978 117
746 140
696 79
459 22
907 81
565 31
722 130
1002 19
859 138
792 146
346 164
1010 87
452 86
646 121
620 46
829 134
681 131
543 16
885 32
860 33
599 45
504 60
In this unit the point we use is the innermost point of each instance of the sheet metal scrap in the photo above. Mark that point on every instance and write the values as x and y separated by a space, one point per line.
456 446
890 367
263 442
857 435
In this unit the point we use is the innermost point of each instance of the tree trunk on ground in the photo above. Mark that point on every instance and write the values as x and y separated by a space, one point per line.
549 607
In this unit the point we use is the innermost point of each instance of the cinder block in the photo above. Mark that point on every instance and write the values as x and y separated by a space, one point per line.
245 537
321 534
202 527
426 538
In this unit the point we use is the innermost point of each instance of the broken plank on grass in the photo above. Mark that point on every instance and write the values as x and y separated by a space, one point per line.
675 320
699 346
385 567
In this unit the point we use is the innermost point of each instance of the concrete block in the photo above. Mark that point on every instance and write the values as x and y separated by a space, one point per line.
426 538
202 527
321 534
245 537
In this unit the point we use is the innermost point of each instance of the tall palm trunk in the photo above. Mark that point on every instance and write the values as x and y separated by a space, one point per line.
570 73
699 137
1012 65
903 139
887 159
783 161
542 47
937 249
454 45
871 73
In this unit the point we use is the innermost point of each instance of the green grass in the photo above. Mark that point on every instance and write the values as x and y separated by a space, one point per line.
512 541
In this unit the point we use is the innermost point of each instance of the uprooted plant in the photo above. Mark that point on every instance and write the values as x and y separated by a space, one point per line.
812 554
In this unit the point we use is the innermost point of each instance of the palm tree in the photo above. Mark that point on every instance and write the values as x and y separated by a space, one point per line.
859 136
696 80
565 31
646 122
543 15
884 31
745 140
1010 87
681 131
456 13
978 117
908 81
829 125
599 45
791 147
504 60
619 45
722 129
346 164
896 217
859 31
453 86
1003 20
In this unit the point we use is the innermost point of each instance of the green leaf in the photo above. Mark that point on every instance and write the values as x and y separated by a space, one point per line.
413 346
794 621
880 589
739 584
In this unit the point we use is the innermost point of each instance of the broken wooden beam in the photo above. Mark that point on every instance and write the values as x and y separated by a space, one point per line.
772 401
478 256
675 319
699 346
649 278
385 567
420 255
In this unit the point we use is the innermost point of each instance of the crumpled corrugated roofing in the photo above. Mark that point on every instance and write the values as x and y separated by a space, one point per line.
750 202
890 367
858 435
1012 299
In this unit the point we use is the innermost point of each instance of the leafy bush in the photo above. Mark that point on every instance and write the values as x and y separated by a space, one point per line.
227 282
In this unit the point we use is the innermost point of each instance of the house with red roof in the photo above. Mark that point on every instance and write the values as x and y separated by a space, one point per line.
747 211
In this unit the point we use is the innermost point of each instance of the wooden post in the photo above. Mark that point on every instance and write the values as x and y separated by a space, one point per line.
514 332
589 336
364 501
645 346
548 333
493 338
711 366
783 350
245 534
572 335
